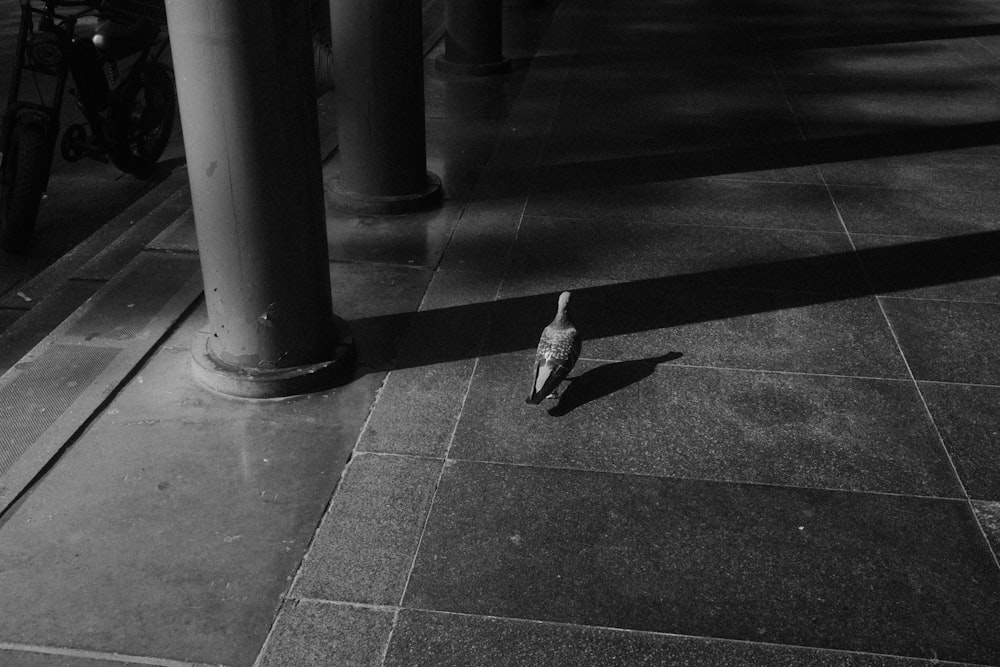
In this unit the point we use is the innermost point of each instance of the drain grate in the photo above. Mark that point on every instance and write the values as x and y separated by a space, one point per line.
38 396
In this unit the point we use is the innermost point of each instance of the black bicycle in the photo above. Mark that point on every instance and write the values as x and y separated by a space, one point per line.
111 50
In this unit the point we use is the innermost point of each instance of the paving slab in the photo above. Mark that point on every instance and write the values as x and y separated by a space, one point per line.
429 639
861 572
653 417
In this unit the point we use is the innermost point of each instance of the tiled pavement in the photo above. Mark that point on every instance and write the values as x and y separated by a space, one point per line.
779 448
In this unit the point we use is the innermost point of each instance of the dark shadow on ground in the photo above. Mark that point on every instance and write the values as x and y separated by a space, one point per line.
637 169
513 324
605 380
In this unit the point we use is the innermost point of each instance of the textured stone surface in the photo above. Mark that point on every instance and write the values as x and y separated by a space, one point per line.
948 341
364 549
968 418
960 268
874 573
424 639
918 211
309 634
174 525
625 250
729 328
764 428
699 201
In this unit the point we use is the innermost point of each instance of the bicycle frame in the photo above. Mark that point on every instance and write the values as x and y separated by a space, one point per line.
58 53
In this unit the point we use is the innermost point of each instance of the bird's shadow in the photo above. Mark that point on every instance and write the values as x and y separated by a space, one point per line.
605 380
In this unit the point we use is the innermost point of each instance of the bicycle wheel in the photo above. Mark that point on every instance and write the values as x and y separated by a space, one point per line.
23 183
141 119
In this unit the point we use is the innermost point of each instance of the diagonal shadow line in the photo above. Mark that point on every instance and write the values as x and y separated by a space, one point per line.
512 324
688 164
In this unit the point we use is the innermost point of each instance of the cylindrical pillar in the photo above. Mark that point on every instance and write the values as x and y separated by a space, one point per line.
378 66
473 38
248 111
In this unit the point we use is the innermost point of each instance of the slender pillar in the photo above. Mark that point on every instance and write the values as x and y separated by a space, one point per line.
378 66
473 38
248 109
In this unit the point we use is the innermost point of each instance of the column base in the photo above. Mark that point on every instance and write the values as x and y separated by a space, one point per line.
362 204
243 383
501 66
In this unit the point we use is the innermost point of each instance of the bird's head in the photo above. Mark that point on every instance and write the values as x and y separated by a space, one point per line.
563 303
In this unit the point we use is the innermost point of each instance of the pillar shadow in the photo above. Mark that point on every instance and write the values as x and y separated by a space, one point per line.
513 324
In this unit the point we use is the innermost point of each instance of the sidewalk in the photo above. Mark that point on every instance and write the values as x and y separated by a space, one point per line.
778 448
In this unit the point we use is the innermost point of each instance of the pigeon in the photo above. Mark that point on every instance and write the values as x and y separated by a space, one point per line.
558 350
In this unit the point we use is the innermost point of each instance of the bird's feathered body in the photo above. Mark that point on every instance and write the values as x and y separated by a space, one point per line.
558 350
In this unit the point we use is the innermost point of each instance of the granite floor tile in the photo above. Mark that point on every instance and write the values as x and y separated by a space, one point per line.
626 250
484 236
947 341
823 115
635 416
365 545
731 328
957 268
968 418
418 408
941 169
377 324
422 397
427 639
654 124
309 634
916 212
875 573
890 62
988 514
703 202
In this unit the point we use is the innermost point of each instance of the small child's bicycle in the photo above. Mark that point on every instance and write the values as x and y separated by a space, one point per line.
112 50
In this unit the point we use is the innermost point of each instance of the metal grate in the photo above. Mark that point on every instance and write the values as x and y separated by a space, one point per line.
39 395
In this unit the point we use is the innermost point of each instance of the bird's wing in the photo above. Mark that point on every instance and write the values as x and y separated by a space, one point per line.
558 350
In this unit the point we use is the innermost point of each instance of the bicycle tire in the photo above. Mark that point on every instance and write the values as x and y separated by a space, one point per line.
141 119
23 184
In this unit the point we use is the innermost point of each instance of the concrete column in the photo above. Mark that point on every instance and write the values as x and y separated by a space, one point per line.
473 38
248 110
378 66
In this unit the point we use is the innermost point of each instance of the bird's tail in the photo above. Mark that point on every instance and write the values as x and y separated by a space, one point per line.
534 399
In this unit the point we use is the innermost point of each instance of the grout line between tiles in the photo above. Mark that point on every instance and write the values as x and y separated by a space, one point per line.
445 462
879 300
737 369
672 635
707 480
324 517
659 223
916 385
427 517
553 112
99 655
